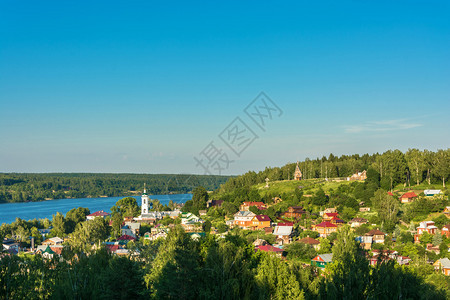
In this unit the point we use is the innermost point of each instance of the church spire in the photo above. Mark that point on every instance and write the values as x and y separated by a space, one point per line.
145 191
297 173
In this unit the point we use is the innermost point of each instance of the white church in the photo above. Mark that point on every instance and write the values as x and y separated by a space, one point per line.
148 216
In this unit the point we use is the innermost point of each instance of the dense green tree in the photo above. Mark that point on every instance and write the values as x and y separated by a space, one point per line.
126 207
174 273
387 207
59 225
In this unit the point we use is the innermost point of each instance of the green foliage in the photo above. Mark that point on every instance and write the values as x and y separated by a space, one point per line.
320 198
387 207
198 202
127 207
300 251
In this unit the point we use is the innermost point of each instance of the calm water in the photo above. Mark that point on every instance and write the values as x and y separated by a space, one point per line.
45 209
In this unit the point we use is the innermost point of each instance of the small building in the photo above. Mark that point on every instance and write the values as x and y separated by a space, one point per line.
408 197
446 230
364 209
202 212
426 226
270 249
310 241
260 222
97 214
259 242
246 205
325 228
356 222
330 210
447 211
322 260
442 265
373 236
294 212
212 203
430 193
244 218
358 176
190 218
283 232
297 173
53 241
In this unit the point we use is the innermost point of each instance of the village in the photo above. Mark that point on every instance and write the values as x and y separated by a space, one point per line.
295 233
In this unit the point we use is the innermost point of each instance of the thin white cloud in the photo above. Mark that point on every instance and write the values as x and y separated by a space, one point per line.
379 126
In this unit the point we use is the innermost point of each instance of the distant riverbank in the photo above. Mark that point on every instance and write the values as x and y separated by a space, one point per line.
45 209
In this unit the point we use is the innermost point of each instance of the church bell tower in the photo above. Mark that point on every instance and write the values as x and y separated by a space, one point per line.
144 202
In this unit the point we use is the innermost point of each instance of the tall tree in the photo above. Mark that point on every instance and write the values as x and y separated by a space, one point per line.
416 163
442 164
387 207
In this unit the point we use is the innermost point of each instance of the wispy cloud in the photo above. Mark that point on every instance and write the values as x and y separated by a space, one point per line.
379 126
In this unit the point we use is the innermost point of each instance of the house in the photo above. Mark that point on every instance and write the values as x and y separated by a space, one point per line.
322 260
197 235
408 197
283 232
126 230
202 212
124 239
260 222
325 228
364 209
331 210
53 241
432 248
403 260
270 249
44 232
211 203
373 236
425 226
356 222
294 212
430 193
259 242
335 220
135 227
246 205
443 265
243 219
310 241
190 218
358 176
447 211
11 246
446 230
97 214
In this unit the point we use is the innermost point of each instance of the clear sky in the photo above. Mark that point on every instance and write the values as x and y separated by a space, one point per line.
145 86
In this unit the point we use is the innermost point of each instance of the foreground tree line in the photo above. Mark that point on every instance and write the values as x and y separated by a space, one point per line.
213 268
20 187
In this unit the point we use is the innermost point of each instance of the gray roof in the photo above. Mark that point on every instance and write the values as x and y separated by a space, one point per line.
327 257
282 230
445 262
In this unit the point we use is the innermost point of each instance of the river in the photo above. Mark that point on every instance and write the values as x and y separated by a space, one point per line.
45 209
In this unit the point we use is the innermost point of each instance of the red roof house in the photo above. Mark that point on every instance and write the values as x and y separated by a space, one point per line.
408 197
325 228
96 214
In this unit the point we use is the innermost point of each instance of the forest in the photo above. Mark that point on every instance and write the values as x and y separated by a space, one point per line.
20 187
394 167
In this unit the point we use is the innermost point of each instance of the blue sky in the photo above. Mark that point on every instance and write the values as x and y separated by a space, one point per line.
144 86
